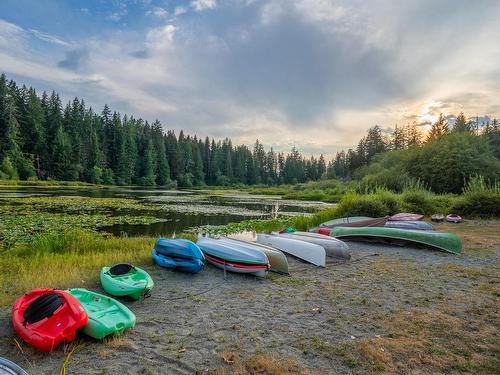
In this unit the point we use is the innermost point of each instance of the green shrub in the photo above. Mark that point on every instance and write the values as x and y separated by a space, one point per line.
480 204
417 201
356 205
389 199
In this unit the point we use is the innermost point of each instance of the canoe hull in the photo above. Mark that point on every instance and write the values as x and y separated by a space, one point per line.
231 252
410 224
277 260
257 270
333 247
107 316
404 216
309 252
357 221
436 240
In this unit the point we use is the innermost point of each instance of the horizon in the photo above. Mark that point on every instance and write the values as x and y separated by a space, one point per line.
251 70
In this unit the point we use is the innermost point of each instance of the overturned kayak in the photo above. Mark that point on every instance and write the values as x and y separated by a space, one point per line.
404 216
448 242
178 254
107 316
333 247
277 260
437 217
234 257
44 318
124 279
10 368
410 224
309 252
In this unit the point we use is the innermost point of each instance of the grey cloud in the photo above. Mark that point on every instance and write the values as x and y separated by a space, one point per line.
140 54
74 59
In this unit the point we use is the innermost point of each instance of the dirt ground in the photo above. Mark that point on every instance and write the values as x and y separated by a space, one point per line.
388 310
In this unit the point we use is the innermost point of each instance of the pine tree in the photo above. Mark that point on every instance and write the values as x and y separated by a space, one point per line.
461 124
438 129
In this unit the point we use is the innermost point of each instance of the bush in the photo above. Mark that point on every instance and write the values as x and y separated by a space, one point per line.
355 205
417 201
480 204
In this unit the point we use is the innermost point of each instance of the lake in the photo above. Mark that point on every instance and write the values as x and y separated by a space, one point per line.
175 210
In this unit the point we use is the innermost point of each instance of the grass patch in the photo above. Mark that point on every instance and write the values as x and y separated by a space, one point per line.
71 259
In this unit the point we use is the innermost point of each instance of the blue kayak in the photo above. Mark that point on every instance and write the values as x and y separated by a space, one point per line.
178 254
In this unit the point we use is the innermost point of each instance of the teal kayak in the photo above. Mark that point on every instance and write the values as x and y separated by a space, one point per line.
126 280
448 242
107 316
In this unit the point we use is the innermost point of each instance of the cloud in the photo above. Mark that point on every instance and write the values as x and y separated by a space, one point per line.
74 59
140 54
179 10
157 12
201 5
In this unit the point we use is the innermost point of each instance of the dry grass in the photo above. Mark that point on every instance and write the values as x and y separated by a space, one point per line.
259 364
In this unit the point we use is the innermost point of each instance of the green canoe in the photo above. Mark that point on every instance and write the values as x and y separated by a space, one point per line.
126 280
107 316
437 240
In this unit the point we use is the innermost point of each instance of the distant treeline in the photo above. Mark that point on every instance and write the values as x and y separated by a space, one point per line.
39 139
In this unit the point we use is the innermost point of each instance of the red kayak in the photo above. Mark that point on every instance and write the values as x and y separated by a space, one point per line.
406 217
45 317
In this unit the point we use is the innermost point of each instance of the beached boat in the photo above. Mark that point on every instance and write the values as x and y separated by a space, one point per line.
410 224
44 317
10 368
448 242
437 217
124 279
178 254
107 316
309 252
333 247
355 221
453 218
233 257
404 216
277 259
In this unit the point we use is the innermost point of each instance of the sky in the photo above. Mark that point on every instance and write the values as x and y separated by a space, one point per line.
311 73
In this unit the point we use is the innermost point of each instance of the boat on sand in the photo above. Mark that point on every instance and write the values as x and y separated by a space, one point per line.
448 242
404 216
333 247
309 252
410 224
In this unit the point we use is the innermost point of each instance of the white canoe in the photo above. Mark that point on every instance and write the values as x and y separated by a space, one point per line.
334 248
309 252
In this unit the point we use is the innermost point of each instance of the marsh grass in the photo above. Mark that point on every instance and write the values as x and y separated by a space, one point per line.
68 259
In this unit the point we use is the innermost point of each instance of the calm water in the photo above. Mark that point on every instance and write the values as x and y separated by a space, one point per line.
180 210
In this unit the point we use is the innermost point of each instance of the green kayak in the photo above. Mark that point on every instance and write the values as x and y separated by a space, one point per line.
126 280
107 316
437 240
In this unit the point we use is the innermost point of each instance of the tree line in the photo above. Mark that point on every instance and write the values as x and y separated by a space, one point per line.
41 139
345 163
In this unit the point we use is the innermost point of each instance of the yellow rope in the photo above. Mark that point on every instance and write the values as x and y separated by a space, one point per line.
67 359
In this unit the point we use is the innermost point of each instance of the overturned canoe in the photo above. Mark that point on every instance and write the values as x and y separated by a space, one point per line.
410 224
309 252
333 247
107 316
355 221
448 242
124 279
234 257
277 260
453 218
404 216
